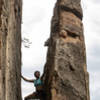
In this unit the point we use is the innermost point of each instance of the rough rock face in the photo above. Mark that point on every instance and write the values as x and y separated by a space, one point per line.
10 49
0 46
65 73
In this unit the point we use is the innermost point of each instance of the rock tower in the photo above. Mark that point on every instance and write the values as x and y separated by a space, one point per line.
65 73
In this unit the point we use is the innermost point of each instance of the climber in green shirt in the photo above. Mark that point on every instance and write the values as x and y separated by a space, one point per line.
38 83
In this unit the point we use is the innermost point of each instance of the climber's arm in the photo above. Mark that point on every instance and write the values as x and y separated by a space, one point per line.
28 80
42 77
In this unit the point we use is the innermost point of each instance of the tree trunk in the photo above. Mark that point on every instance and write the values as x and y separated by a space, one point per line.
10 51
65 73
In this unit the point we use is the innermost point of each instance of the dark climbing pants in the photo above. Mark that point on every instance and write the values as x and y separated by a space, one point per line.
39 95
30 97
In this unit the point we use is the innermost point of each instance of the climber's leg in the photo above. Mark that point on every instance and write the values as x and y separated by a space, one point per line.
31 96
41 95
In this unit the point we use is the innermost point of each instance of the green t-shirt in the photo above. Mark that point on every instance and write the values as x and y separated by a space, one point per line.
38 82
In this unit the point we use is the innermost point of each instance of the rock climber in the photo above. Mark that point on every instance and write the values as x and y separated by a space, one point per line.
38 83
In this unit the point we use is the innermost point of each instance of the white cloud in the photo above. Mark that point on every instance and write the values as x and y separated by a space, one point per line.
95 1
95 85
28 88
36 27
92 37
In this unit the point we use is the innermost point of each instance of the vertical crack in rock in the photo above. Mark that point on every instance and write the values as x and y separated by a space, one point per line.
65 73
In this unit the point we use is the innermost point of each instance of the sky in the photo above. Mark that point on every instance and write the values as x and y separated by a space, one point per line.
36 27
